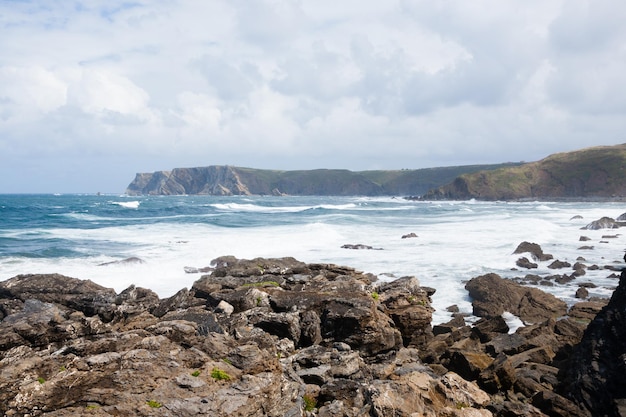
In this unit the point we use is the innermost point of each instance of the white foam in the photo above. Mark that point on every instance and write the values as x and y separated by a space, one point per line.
127 204
453 245
512 321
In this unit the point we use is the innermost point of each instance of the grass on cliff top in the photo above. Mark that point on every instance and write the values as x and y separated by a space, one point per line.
552 172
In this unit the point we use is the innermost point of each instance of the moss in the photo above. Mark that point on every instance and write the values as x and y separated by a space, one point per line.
220 375
309 403
41 380
196 373
154 404
375 295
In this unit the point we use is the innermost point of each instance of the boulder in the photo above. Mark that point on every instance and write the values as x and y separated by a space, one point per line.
534 249
492 296
603 223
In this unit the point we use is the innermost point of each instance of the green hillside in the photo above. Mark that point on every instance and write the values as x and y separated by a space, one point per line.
598 172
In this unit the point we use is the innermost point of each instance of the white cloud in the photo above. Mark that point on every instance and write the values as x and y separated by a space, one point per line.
284 84
29 91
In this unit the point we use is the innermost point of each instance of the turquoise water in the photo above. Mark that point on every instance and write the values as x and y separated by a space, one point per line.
76 234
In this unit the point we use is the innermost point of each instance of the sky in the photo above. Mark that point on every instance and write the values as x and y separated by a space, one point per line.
93 92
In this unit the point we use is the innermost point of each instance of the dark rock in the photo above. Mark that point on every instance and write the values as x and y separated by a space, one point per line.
595 378
603 223
535 251
582 292
359 246
82 295
492 295
584 239
564 279
559 264
524 262
409 235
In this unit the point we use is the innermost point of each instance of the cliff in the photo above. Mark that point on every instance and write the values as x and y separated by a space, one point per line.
598 172
229 180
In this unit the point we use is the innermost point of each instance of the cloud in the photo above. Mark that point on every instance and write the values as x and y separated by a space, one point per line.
146 85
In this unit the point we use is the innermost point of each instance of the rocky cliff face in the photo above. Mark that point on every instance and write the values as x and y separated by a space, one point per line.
594 172
228 180
213 180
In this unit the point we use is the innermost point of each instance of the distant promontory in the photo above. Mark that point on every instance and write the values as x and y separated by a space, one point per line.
224 180
598 172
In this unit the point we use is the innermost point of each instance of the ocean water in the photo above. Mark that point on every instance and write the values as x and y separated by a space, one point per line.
457 240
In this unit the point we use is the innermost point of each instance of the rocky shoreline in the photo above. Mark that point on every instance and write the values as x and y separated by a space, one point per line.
278 337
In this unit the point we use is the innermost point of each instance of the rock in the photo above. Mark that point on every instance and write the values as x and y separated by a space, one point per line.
359 246
126 261
492 296
82 295
603 223
524 262
534 249
582 292
409 235
559 264
224 308
595 377
267 336
584 238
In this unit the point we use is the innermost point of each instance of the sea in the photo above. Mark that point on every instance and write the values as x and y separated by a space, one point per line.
90 236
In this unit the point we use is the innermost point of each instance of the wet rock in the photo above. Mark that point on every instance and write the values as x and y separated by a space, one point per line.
559 264
524 262
603 223
492 295
534 249
359 246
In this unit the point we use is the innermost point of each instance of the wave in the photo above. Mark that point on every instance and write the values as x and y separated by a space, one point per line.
127 204
238 207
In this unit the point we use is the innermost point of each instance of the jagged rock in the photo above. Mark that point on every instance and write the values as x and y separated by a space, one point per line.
524 262
492 295
329 332
559 264
534 249
603 223
409 235
595 378
82 295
